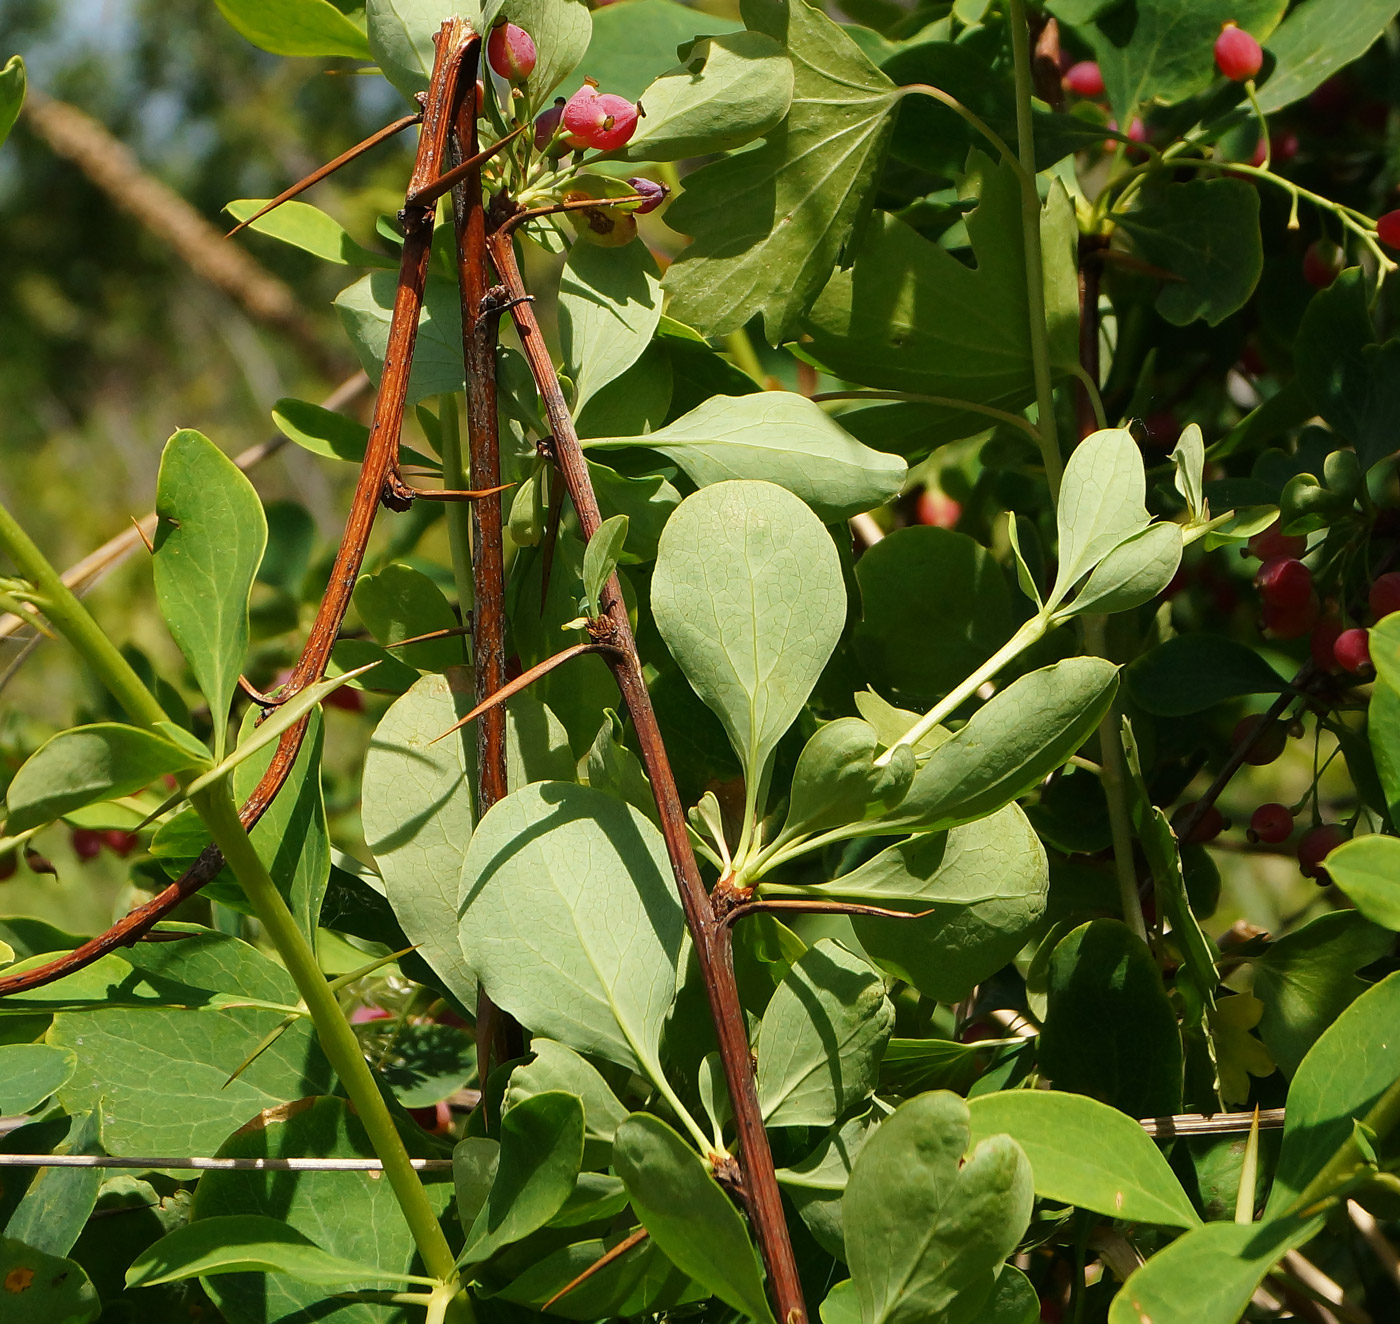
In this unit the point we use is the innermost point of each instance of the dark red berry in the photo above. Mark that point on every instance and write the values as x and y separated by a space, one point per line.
351 700
1269 744
1272 543
1284 582
1212 824
1314 846
654 193
1084 79
8 864
1291 622
547 124
1237 55
1323 642
1353 651
1322 263
1388 229
1271 824
511 52
1384 596
119 842
87 843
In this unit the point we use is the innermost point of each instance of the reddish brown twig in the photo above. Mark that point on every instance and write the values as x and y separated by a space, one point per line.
322 172
380 454
467 173
712 939
616 1253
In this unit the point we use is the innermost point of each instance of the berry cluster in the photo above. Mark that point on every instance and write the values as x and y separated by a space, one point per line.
89 843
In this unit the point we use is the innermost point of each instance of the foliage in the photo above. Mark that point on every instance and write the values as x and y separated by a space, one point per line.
786 879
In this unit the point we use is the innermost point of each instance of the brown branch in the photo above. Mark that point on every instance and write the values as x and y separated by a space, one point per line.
711 939
323 172
465 173
380 454
110 164
616 1253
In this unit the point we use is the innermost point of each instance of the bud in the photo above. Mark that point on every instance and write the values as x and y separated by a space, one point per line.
511 52
654 193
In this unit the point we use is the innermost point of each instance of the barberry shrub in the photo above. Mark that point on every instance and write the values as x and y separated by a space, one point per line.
828 770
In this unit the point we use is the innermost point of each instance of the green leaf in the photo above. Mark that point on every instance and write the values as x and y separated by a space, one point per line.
475 1161
210 536
630 44
871 323
1206 232
838 781
647 500
309 228
1317 39
609 306
400 35
366 307
313 28
570 920
1385 650
1367 869
600 558
1164 50
352 1216
688 1216
1012 743
86 765
934 607
12 89
730 90
1209 1275
1190 672
986 883
1349 376
249 1243
46 1288
841 1306
324 432
418 805
779 437
1103 975
816 1183
557 1067
29 1073
821 1039
610 766
1383 729
1100 505
748 596
1085 1153
1345 1072
927 1229
399 602
1189 462
769 223
57 1203
541 1152
1134 572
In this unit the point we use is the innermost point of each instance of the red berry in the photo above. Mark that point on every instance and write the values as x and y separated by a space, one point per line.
1322 263
1384 596
938 509
1267 747
1271 824
1353 650
1314 846
1212 824
1291 622
436 1118
87 843
119 842
1272 542
511 52
1284 582
654 193
351 700
603 121
1323 643
1084 79
8 864
1388 229
1237 55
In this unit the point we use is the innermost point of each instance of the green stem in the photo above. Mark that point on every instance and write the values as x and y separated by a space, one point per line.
745 357
1030 237
73 620
458 514
943 401
982 127
216 807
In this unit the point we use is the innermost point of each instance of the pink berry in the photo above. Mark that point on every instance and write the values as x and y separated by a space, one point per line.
1084 79
938 509
1284 582
87 843
511 52
603 121
1273 542
654 193
1291 622
1384 597
1322 263
1212 824
1271 824
1267 747
1237 55
1353 651
1314 846
1388 229
547 125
